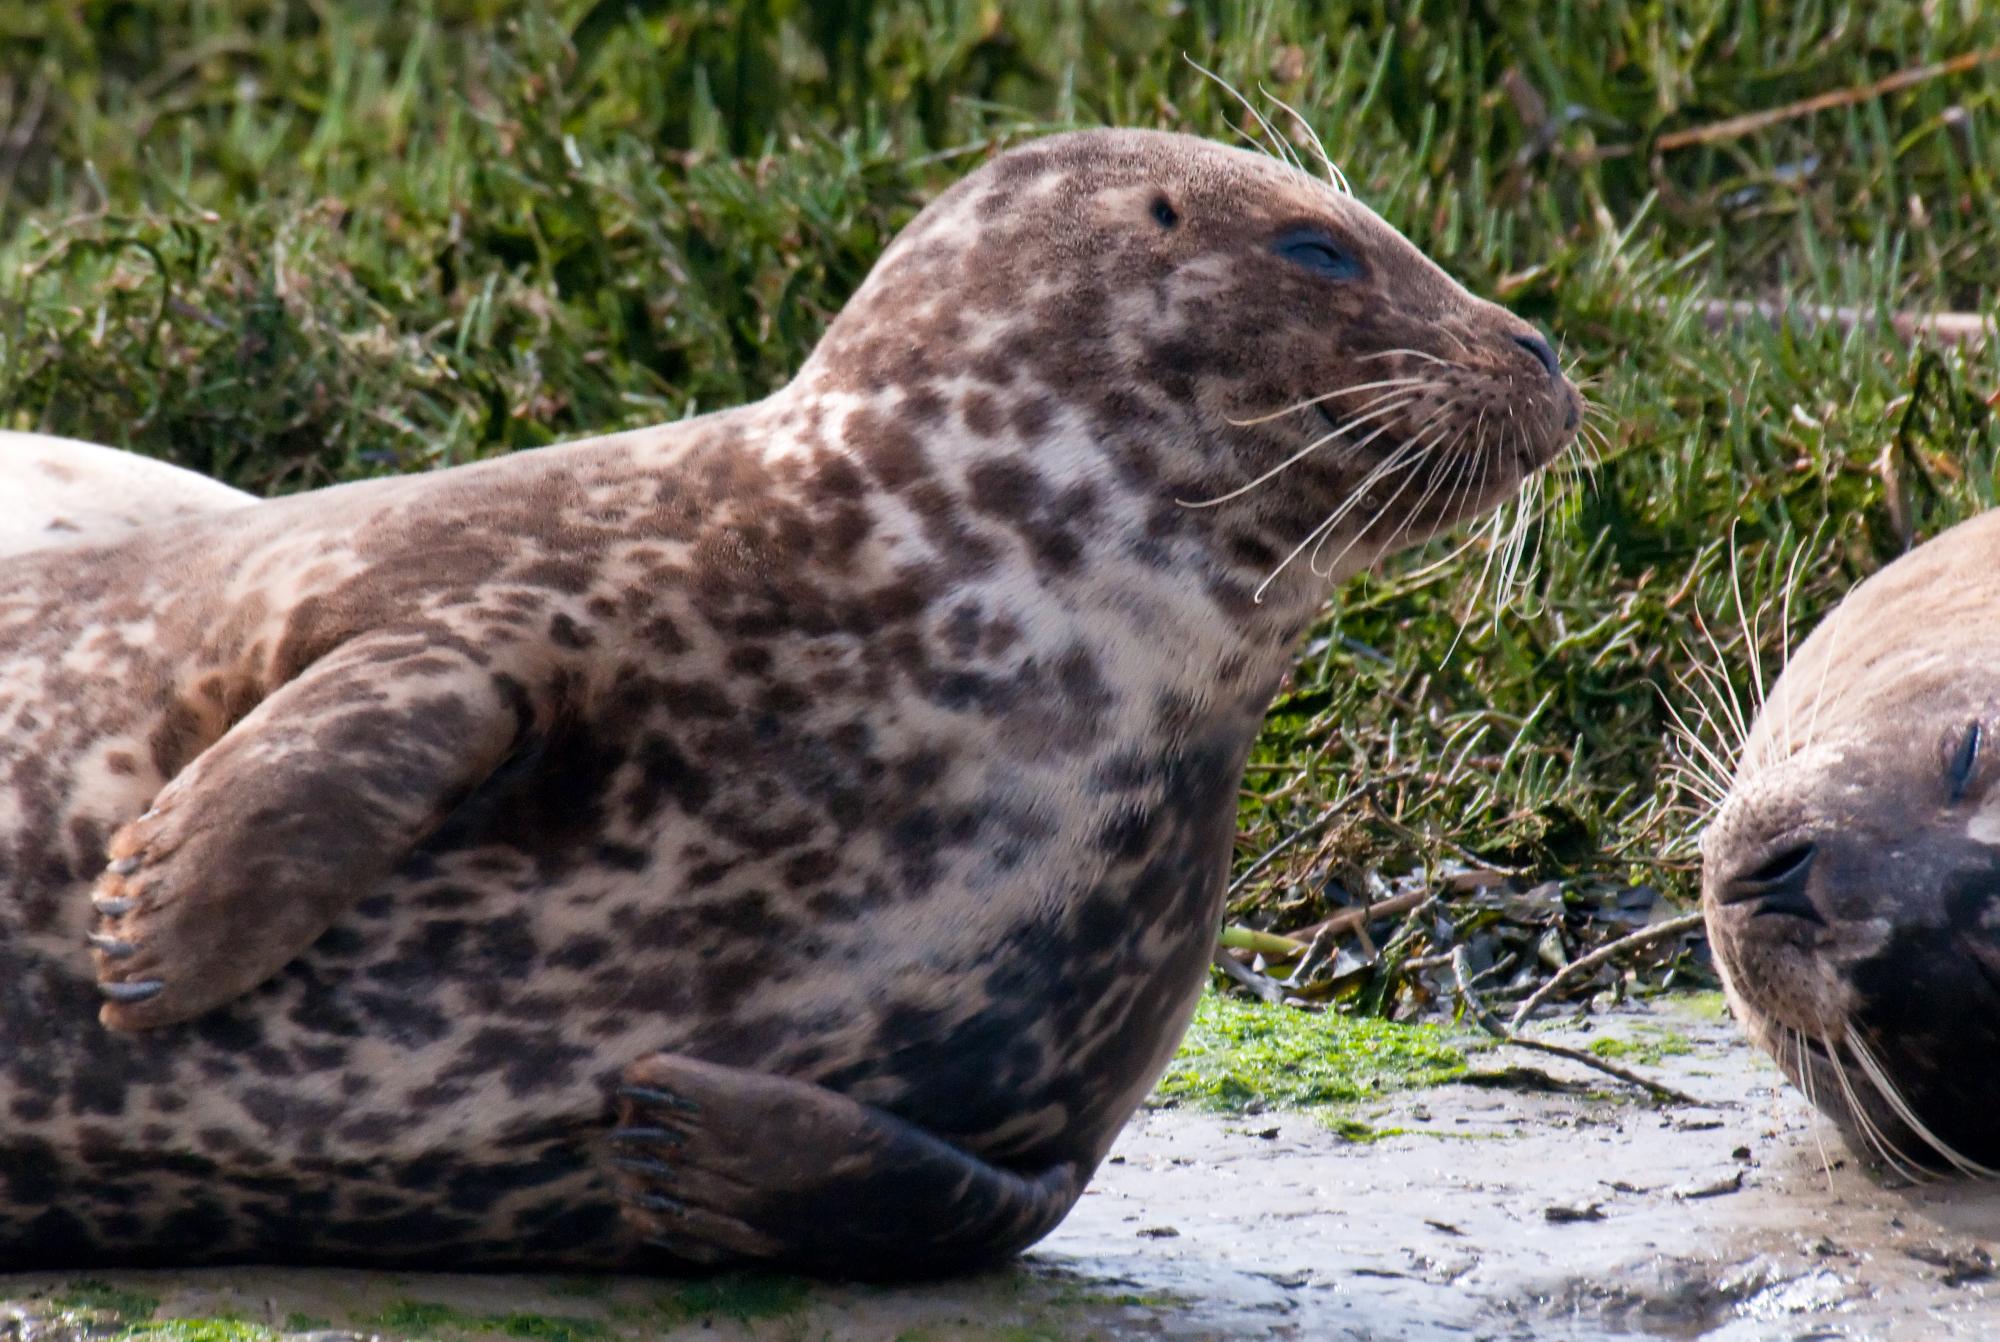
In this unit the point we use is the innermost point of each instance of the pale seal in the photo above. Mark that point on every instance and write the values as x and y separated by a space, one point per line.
795 834
59 489
1851 878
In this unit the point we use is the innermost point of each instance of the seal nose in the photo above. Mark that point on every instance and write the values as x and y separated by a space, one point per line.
1777 885
1542 351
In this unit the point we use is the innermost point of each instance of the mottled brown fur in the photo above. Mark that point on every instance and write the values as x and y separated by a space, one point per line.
851 772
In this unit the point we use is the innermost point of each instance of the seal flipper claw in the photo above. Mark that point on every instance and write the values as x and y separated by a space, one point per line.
772 1169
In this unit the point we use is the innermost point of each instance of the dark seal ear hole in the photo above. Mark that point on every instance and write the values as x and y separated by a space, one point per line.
1964 761
1164 213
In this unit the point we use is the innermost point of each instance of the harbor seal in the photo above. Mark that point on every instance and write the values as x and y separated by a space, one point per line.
62 489
796 834
1851 878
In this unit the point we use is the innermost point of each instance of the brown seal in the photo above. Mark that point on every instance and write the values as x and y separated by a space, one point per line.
794 834
1851 877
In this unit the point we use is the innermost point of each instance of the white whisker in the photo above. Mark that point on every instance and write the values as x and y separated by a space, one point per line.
1871 1066
1301 455
1311 401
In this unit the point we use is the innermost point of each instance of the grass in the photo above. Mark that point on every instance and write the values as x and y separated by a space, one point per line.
1648 1048
129 1306
293 245
1238 1054
425 1319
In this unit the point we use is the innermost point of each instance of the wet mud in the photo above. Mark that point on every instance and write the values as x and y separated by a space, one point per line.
1534 1199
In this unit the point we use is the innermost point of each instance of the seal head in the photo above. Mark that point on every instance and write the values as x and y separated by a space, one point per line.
1223 329
1851 879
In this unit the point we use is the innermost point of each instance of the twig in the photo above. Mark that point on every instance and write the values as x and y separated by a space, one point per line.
1349 919
1267 989
1950 328
1316 955
1582 965
1270 945
1312 826
1737 126
1491 1024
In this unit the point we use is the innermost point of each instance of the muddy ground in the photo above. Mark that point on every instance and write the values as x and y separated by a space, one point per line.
1535 1201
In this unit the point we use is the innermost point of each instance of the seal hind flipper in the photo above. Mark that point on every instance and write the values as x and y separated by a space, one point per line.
301 809
718 1164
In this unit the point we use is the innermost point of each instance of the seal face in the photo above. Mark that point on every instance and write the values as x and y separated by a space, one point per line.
796 834
1851 879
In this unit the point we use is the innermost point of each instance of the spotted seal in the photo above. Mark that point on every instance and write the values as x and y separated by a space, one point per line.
1851 877
60 489
795 834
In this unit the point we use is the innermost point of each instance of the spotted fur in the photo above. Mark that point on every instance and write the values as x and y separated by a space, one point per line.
874 745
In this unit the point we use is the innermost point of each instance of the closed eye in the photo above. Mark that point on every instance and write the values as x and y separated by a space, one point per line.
1963 761
1317 252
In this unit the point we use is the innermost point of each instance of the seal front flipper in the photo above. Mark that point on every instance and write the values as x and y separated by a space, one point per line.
719 1164
298 811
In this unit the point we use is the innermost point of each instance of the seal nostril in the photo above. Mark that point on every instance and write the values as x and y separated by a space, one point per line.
1786 866
1541 349
1779 883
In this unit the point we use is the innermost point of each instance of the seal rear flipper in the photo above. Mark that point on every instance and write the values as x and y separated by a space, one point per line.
719 1164
300 810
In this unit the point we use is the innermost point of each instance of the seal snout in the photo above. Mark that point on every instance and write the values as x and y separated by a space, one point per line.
1776 885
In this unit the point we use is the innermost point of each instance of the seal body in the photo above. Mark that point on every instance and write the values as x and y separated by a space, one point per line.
61 489
794 835
1851 879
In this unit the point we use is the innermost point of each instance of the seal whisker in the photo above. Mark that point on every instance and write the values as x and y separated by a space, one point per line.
1409 473
1285 154
1749 626
1392 461
1802 1064
1410 353
1334 176
1706 762
1892 1155
1727 699
1872 1068
1300 455
1461 488
1592 444
1716 716
1312 401
1439 480
1785 635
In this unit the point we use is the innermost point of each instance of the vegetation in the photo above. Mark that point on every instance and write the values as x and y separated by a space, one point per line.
291 244
1237 1055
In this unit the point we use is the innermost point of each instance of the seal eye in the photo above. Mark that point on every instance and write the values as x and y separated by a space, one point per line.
1163 213
1318 253
1965 761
